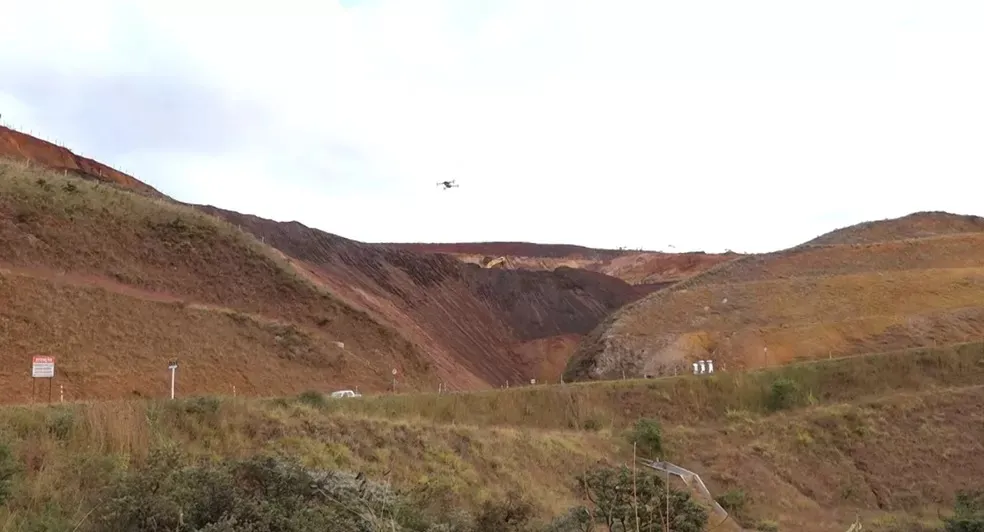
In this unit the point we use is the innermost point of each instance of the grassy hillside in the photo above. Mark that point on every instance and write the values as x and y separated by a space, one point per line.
114 284
915 225
67 455
807 302
688 399
897 452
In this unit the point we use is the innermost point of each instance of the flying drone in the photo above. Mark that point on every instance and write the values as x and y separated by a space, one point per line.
447 184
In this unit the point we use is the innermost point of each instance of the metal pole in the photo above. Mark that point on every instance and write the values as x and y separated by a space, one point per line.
61 393
172 381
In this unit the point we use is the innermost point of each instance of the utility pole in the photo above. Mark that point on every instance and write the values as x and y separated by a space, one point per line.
173 366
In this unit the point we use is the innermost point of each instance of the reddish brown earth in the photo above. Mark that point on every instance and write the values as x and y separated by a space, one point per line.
18 146
431 315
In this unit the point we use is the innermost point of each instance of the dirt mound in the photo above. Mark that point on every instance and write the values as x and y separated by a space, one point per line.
18 146
468 318
650 269
806 302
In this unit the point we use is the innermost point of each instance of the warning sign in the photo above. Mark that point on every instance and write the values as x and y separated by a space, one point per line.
43 367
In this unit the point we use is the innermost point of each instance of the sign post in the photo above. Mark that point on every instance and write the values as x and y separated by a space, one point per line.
42 367
172 365
394 380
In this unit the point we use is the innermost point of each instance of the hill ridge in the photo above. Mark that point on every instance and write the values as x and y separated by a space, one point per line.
686 321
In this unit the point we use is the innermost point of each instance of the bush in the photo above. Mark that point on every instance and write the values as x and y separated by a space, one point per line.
513 514
648 438
784 393
577 519
617 497
8 468
968 513
767 526
732 501
258 493
313 398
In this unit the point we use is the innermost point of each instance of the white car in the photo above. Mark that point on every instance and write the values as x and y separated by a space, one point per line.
345 393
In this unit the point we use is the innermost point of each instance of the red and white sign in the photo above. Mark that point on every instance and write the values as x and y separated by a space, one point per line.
43 367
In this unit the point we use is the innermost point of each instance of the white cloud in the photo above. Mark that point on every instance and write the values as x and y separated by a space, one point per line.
706 125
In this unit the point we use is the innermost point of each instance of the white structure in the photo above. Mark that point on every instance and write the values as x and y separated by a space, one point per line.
703 367
43 367
344 393
173 365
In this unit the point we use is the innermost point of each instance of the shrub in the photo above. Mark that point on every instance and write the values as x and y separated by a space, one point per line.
577 519
767 526
617 497
258 493
8 468
733 501
313 398
648 437
968 513
784 393
513 514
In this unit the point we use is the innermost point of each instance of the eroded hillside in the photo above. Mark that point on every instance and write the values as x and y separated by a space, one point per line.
649 270
370 308
480 325
877 290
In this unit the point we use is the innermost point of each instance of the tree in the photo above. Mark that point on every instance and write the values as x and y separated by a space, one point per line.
618 499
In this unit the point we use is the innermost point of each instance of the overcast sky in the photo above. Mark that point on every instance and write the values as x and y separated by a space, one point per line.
706 125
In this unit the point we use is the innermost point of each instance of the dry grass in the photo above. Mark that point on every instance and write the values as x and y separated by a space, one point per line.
965 250
796 319
906 442
69 452
805 300
110 346
688 399
916 225
900 457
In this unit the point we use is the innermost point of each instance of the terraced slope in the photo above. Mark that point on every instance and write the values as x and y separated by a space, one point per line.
811 301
